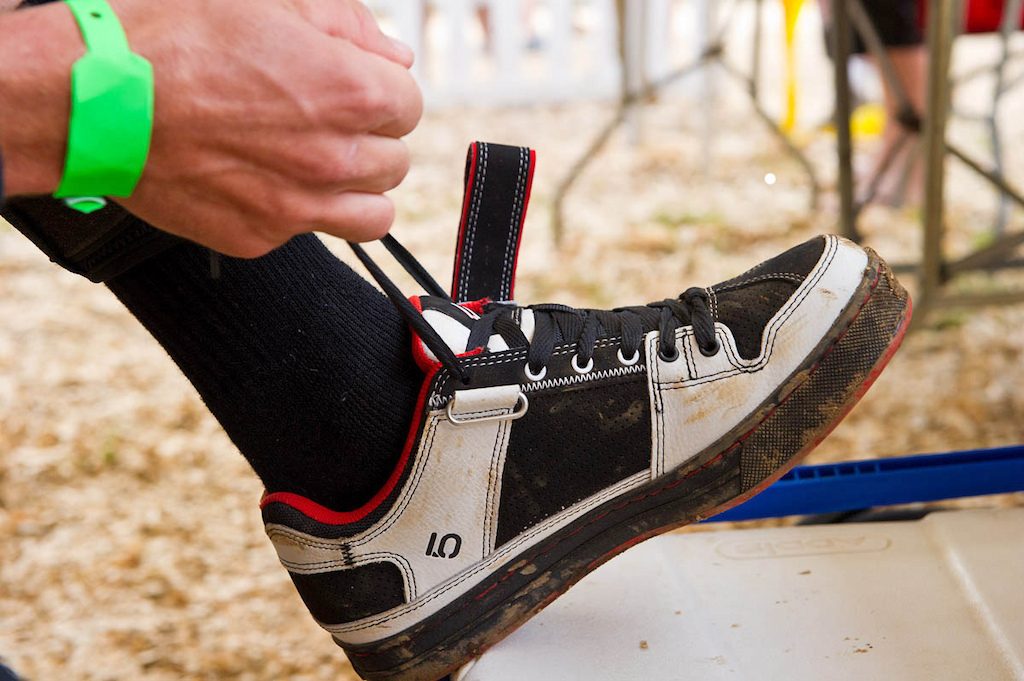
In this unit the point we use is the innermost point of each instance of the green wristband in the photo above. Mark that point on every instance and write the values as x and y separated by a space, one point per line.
111 111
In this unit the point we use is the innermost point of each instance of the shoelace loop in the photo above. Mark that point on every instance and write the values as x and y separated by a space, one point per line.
584 326
552 321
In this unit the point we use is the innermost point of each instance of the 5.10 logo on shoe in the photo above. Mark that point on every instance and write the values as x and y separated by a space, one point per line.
448 547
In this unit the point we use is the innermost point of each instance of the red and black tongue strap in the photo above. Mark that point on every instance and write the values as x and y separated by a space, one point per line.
498 180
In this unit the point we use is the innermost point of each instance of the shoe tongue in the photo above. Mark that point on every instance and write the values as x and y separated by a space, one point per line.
453 323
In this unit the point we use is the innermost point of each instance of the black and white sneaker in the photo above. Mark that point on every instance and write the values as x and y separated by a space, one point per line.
549 439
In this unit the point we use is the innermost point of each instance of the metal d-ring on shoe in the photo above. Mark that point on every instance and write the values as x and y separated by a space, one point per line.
522 405
582 369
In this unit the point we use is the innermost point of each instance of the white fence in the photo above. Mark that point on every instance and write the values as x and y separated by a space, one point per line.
524 51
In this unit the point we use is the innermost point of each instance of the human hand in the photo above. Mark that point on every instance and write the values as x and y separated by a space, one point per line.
272 118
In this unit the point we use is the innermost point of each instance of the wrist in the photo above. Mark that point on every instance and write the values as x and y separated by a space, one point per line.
38 47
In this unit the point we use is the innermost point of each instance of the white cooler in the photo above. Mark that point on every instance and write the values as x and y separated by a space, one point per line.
940 599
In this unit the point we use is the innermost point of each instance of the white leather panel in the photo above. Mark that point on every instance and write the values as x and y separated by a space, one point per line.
697 401
453 492
456 335
433 598
482 401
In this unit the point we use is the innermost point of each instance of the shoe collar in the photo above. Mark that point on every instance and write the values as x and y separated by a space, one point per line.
453 323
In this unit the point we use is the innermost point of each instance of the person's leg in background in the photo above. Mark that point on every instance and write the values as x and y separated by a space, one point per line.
898 25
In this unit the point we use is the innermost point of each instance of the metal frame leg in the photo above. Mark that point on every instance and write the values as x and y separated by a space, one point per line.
941 29
840 59
1011 16
712 55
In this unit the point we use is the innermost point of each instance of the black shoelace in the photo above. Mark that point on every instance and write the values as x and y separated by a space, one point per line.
552 321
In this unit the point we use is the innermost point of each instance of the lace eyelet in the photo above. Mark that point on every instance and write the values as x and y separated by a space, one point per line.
631 361
711 351
584 369
669 357
532 376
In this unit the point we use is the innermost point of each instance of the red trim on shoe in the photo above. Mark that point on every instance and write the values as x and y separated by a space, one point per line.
470 176
476 306
522 222
419 352
324 515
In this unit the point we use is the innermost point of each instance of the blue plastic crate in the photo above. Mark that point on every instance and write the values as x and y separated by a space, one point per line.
855 485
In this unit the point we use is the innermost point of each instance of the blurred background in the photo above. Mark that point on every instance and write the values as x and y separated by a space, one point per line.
130 542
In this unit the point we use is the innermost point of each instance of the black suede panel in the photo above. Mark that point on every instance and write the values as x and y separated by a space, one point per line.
746 303
351 594
570 445
746 312
799 261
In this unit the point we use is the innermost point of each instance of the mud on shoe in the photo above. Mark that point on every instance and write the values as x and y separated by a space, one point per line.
548 439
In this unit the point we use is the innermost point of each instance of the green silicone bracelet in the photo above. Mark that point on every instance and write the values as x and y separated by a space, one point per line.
111 111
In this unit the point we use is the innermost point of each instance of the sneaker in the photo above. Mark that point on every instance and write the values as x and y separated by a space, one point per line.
548 439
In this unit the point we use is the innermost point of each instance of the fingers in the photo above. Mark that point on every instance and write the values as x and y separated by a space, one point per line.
353 216
373 94
351 20
356 216
300 133
366 163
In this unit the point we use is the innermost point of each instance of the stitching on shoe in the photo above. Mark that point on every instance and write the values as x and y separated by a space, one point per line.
681 339
404 498
474 215
562 381
520 565
325 566
661 410
507 549
489 496
435 401
714 302
494 411
518 354
788 276
513 227
494 490
346 551
771 329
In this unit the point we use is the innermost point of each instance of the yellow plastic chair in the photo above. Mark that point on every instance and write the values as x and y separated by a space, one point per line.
792 13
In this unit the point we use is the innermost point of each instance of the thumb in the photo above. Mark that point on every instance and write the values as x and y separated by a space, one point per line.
351 20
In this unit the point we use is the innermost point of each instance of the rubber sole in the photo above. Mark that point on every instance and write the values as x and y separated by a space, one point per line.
787 426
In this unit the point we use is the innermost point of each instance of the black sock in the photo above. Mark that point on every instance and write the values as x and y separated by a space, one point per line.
306 365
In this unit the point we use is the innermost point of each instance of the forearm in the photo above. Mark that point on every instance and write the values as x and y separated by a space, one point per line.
271 117
37 49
